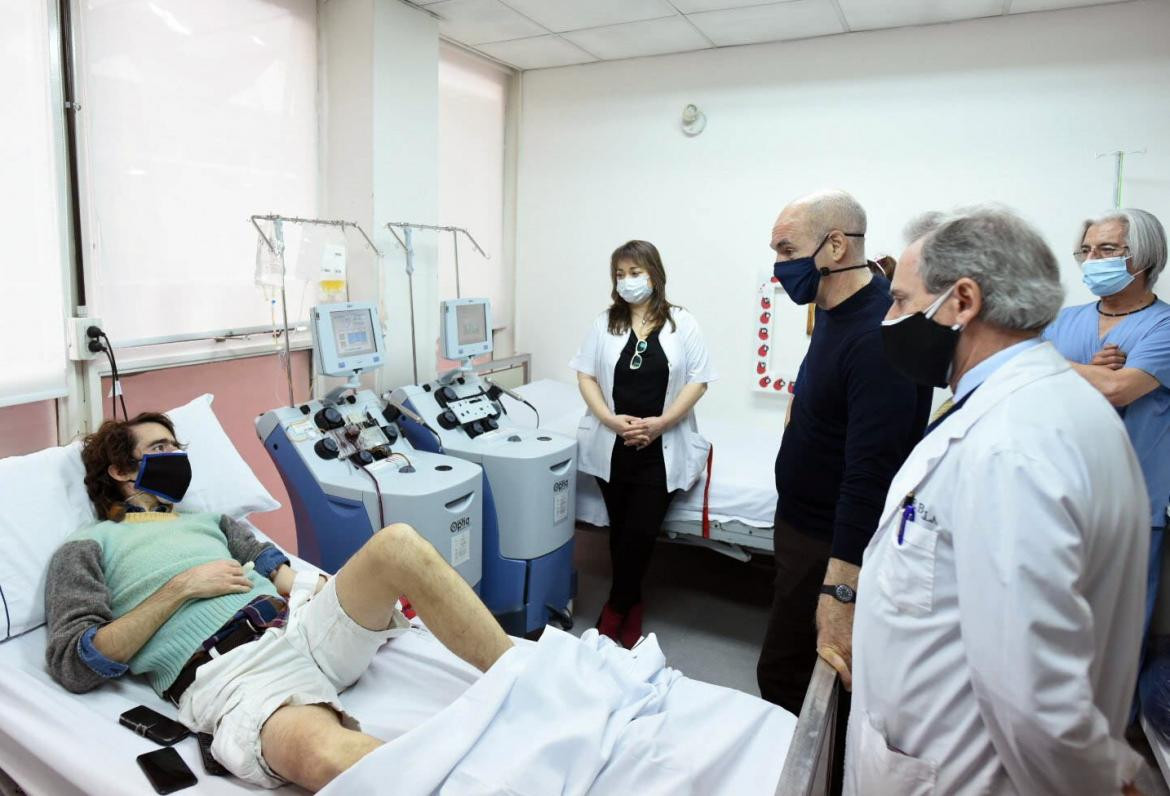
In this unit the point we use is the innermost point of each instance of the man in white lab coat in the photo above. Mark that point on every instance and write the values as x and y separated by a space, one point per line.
999 609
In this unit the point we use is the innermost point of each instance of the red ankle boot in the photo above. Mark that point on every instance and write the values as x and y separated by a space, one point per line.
610 622
631 630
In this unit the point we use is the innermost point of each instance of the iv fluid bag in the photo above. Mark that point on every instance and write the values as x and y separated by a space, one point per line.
268 267
332 274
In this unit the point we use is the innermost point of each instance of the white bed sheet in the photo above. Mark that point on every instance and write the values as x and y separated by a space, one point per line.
61 744
743 485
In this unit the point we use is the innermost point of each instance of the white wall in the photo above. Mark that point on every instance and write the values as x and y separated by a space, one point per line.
1008 109
472 105
380 66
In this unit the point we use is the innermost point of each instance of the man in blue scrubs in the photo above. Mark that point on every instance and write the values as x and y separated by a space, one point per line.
1121 345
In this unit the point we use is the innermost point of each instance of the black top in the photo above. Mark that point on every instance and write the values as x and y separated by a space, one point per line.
854 421
640 393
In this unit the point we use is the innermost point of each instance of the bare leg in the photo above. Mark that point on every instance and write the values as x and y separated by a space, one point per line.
398 562
306 744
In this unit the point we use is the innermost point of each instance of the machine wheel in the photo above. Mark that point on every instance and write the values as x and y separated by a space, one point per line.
562 617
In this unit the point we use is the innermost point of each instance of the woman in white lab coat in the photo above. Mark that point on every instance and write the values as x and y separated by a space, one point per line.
642 368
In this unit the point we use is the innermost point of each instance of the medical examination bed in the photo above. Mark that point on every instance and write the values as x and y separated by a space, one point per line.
53 742
741 501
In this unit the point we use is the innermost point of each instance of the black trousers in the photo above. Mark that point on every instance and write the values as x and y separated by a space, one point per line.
790 644
636 512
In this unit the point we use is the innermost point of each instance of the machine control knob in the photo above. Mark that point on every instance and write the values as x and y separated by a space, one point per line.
391 413
362 458
477 427
448 420
326 448
491 423
391 434
353 431
450 394
515 438
328 419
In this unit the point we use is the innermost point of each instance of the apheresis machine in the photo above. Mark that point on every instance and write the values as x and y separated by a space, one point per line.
530 483
349 469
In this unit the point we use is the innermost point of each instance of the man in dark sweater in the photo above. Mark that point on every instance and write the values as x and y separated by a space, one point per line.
852 422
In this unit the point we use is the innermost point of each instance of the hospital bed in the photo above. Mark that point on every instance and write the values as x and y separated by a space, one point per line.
57 743
741 502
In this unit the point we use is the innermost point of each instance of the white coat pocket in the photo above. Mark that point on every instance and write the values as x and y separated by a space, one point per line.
878 770
906 573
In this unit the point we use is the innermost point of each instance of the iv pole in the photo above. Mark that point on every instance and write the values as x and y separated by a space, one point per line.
407 228
277 249
1118 173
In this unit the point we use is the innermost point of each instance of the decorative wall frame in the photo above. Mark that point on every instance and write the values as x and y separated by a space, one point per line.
766 379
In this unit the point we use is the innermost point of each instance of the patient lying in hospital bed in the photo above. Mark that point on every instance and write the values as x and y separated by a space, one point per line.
561 716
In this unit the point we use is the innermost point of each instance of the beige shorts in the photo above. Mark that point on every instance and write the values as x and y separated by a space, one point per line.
321 653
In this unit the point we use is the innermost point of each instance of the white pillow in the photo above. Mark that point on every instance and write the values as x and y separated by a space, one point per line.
221 481
43 500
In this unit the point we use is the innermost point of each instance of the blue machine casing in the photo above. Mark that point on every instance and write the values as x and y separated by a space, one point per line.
523 594
346 480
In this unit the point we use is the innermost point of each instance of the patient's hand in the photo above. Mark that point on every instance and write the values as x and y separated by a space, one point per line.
213 579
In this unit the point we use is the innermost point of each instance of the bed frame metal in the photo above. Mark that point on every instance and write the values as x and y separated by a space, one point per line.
807 768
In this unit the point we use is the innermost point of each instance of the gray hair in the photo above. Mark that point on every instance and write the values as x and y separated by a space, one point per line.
1006 257
1143 234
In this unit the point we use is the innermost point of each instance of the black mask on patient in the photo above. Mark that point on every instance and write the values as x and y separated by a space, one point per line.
167 476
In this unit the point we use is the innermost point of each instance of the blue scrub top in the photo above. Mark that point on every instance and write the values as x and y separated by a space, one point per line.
1144 337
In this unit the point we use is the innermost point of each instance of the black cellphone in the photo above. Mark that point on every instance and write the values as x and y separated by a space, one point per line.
210 765
153 725
166 770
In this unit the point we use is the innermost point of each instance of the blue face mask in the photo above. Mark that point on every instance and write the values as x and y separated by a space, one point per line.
1107 277
800 277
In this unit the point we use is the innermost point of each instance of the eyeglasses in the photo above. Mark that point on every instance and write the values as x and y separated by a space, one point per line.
636 359
1103 252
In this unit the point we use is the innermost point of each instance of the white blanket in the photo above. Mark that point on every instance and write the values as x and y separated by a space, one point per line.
583 716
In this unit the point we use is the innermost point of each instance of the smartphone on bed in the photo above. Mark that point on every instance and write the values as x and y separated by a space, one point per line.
166 770
153 725
210 764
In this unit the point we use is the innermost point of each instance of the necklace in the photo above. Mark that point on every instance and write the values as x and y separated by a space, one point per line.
1123 314
642 324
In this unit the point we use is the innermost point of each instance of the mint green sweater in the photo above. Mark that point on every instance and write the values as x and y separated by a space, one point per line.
138 557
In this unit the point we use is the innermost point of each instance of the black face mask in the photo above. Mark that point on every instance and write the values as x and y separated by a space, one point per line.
164 475
919 348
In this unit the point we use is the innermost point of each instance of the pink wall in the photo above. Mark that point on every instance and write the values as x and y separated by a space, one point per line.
25 428
243 389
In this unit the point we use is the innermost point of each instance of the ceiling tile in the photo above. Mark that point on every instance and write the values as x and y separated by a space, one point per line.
562 15
1024 6
477 21
634 39
796 19
539 52
874 14
695 6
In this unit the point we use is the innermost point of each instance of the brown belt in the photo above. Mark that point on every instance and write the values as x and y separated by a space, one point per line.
243 633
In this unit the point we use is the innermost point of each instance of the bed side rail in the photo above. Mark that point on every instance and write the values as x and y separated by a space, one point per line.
807 767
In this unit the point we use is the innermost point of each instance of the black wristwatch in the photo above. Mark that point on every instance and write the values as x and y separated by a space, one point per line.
842 592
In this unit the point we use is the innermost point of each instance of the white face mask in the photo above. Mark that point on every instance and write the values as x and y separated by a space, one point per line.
634 289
